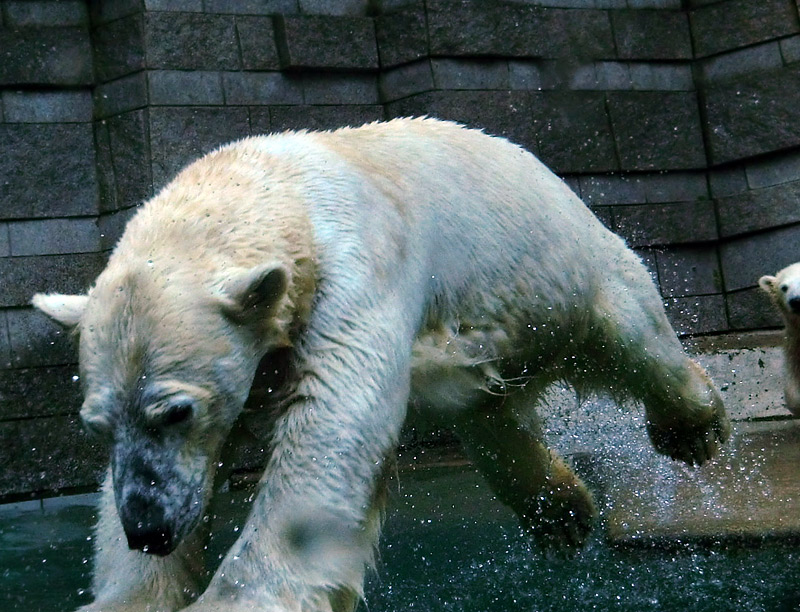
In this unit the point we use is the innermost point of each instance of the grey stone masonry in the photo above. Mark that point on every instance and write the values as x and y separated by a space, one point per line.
663 224
659 130
402 37
53 236
689 270
46 56
38 392
68 273
327 42
652 35
45 13
58 184
191 41
753 115
744 260
47 107
729 25
759 209
257 42
119 47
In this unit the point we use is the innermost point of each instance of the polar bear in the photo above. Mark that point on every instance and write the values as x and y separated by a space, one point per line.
784 289
412 263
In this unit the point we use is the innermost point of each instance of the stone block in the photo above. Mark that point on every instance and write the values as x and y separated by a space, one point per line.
119 48
262 88
46 56
36 341
106 185
525 75
666 224
470 74
790 49
744 260
738 23
37 13
652 35
700 314
753 115
657 130
5 243
776 170
110 10
322 117
660 77
260 121
48 170
326 42
39 392
727 181
574 133
499 113
182 6
180 135
689 270
675 187
612 189
752 309
332 88
129 140
340 8
251 7
763 57
759 209
46 455
5 343
24 276
191 41
112 225
257 42
121 95
53 236
402 37
185 88
47 107
470 28
407 80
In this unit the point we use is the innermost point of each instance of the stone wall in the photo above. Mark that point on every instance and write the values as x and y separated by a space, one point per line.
677 122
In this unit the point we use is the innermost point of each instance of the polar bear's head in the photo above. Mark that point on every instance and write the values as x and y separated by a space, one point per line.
166 368
784 289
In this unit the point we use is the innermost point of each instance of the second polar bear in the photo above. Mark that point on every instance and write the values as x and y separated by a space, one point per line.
409 263
784 289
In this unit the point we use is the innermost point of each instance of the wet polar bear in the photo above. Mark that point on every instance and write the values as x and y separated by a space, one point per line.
409 263
784 289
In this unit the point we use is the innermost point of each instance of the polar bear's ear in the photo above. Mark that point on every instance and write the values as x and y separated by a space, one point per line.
258 289
767 283
65 310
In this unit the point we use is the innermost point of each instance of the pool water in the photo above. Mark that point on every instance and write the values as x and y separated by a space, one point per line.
447 545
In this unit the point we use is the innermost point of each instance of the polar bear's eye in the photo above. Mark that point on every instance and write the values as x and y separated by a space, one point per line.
784 287
178 412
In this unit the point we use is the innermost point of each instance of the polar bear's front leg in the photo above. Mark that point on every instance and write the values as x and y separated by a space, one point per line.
130 580
314 525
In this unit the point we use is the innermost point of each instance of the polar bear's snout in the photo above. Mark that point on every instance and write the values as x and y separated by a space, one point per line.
145 526
159 501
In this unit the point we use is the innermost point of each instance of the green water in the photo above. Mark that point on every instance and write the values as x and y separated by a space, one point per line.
447 546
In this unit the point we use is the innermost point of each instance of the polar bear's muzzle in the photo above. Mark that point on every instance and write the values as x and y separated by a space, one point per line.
157 507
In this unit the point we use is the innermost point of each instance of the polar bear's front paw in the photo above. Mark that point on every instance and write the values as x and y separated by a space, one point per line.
693 441
564 513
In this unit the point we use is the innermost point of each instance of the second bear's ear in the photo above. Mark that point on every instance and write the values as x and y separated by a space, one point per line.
65 310
257 290
767 283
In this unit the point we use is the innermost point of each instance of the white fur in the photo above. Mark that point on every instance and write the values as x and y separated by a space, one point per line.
782 288
425 263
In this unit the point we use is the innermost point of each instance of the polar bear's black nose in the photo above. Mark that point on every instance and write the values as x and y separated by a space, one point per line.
794 304
145 527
